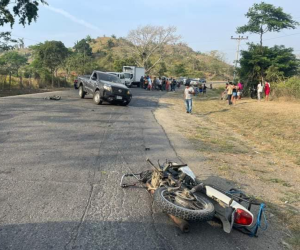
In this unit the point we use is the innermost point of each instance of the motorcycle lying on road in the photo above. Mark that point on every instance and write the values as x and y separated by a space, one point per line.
178 193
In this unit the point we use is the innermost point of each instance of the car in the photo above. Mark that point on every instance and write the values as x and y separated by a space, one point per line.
104 87
203 80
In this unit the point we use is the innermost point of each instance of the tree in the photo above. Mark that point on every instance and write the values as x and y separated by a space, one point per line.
5 41
51 54
162 69
180 70
119 63
83 47
276 60
12 61
110 44
265 18
146 41
25 10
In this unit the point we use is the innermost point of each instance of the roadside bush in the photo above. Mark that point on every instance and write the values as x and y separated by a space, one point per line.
289 88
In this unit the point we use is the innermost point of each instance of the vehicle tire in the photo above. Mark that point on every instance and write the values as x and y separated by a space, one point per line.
81 92
97 97
169 207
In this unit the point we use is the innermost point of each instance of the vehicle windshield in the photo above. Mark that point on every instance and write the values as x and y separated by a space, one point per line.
109 78
127 75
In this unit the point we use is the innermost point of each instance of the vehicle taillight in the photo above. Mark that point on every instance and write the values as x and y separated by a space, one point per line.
242 217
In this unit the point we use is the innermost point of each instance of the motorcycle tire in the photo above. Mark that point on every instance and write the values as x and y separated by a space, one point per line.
205 214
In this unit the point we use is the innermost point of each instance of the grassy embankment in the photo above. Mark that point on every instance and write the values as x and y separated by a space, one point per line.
255 144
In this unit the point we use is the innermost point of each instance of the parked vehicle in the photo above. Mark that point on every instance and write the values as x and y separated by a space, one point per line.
182 80
121 76
127 77
203 80
104 87
135 74
178 193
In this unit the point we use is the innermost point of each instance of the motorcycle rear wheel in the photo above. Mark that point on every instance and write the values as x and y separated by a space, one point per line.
169 206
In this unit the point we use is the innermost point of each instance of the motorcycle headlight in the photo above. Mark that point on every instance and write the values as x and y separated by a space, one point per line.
107 87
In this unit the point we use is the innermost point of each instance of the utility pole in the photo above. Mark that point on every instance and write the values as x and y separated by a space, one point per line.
239 39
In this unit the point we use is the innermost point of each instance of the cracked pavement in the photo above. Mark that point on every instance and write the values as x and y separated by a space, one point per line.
61 163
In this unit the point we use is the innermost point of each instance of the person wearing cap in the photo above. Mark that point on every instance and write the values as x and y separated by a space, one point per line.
188 92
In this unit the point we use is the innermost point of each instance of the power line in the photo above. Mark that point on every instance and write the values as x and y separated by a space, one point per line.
27 38
273 38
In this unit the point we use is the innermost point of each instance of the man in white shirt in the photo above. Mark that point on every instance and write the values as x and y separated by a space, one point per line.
260 89
188 92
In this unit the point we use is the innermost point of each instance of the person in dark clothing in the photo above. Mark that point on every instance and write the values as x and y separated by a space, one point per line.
142 81
163 84
173 85
204 89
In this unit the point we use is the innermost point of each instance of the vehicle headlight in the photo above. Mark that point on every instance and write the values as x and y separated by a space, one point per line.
107 87
128 92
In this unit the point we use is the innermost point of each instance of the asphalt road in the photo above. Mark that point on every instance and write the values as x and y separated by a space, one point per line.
60 167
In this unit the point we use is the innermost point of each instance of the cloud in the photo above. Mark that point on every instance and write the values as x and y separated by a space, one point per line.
73 18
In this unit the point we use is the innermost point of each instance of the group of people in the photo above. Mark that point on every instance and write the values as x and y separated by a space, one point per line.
159 83
261 88
233 92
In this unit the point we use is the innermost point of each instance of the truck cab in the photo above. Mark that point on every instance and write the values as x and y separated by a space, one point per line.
120 75
135 74
104 87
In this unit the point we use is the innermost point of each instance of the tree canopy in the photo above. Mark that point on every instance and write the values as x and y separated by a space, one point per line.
144 42
265 18
83 47
277 59
25 10
51 54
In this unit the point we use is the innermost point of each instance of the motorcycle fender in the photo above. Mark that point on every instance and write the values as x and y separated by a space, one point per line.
227 218
226 204
188 172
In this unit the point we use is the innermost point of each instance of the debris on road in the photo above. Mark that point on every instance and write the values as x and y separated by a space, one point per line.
54 98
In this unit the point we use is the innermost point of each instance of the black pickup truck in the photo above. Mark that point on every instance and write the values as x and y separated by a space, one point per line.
104 87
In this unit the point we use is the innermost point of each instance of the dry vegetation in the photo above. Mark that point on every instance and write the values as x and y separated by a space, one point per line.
254 144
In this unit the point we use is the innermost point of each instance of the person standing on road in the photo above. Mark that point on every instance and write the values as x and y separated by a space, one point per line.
173 85
260 89
163 84
154 83
167 85
149 83
142 81
267 90
188 92
229 92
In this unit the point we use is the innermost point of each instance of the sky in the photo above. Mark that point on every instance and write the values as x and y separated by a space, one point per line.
203 25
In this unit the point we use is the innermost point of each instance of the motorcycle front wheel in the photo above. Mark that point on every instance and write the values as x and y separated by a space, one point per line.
200 209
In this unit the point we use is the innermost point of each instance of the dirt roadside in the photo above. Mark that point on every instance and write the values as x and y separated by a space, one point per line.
246 146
